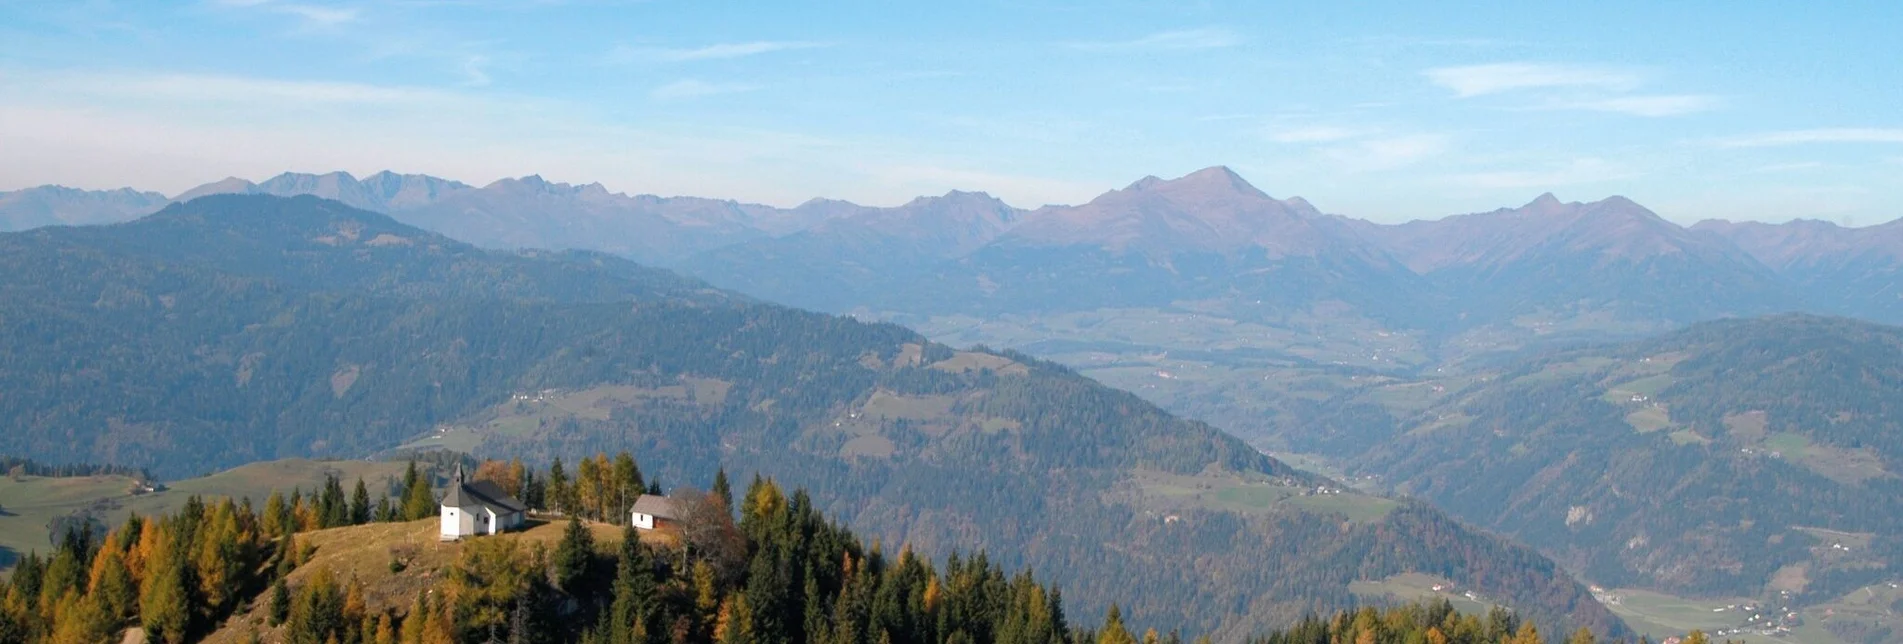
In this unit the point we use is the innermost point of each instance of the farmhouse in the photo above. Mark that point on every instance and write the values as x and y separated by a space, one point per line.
479 508
652 512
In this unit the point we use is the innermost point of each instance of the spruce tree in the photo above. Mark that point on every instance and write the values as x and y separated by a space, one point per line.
360 504
276 513
722 489
418 501
558 488
164 604
280 602
572 556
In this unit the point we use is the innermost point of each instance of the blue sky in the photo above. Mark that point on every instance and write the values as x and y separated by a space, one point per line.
1382 110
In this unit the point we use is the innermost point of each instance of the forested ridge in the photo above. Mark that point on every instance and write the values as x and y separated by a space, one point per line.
324 331
781 573
1703 461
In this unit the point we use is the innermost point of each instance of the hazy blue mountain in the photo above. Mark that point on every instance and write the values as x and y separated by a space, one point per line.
1726 459
1611 256
62 206
860 255
1852 271
241 327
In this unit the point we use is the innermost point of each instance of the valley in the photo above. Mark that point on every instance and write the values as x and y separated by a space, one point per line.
294 328
1406 385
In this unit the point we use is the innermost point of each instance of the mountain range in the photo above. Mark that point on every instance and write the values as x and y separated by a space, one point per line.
237 328
1208 237
1735 458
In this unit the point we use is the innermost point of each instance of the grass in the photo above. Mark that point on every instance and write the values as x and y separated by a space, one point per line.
1687 437
1649 419
1791 445
1358 507
965 361
889 405
1649 385
527 414
1748 427
1413 586
1250 495
365 552
1658 615
34 502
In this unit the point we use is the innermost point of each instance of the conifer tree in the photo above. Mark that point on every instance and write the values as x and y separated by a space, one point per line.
1113 631
626 483
721 488
276 515
572 556
360 504
280 608
164 602
112 587
588 492
558 488
418 501
317 611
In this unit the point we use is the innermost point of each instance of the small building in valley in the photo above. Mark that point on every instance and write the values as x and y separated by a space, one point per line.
652 512
479 508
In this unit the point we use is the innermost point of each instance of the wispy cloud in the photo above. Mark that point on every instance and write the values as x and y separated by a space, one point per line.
720 51
1776 168
201 88
1176 40
1577 171
1386 153
474 72
1316 134
1659 105
691 88
1479 80
1820 135
313 15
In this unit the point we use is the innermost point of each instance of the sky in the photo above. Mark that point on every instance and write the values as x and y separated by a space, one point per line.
1387 111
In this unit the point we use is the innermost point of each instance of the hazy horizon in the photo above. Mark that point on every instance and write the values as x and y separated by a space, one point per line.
1392 113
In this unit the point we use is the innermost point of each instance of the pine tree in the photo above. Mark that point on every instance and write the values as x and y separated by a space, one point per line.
112 587
280 602
588 490
334 509
418 501
1113 631
572 556
276 515
722 489
164 603
626 483
385 632
412 632
317 612
558 488
360 504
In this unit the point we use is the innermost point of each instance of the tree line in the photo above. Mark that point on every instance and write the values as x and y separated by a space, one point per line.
766 567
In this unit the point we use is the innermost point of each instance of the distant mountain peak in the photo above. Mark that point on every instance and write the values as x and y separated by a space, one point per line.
1211 181
1546 202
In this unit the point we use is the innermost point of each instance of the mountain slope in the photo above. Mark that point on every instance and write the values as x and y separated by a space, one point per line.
59 205
1611 255
1850 271
1208 236
531 212
860 254
1732 458
236 328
